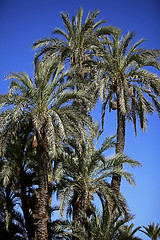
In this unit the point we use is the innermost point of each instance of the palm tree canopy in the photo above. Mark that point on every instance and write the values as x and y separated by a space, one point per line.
152 231
46 101
127 233
84 169
75 42
123 76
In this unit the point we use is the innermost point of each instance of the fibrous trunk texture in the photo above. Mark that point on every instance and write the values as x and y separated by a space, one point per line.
80 209
41 212
120 144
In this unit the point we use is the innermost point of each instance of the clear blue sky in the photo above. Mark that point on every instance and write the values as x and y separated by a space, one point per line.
24 21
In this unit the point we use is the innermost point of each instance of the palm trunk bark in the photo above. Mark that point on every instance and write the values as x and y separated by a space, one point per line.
41 215
79 208
120 144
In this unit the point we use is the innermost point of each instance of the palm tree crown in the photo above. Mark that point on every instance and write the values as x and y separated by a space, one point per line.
75 44
127 233
152 231
44 100
126 83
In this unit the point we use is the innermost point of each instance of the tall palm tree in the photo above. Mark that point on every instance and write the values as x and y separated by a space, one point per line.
152 231
83 172
126 85
74 44
44 100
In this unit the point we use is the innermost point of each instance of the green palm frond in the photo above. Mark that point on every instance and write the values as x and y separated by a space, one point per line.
79 37
152 230
122 67
83 169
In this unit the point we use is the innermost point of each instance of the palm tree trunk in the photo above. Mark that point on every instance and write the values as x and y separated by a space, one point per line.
120 144
76 208
41 216
79 210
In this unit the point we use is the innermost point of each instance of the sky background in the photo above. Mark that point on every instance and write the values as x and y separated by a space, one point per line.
22 22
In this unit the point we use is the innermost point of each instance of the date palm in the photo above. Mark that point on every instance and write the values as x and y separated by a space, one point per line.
98 227
152 231
74 45
43 100
83 172
126 85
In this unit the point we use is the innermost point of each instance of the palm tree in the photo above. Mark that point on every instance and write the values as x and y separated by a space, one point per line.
44 101
104 229
98 227
74 44
126 85
152 231
127 233
83 172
